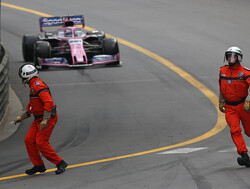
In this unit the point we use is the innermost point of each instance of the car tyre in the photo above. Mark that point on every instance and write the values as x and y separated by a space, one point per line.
42 49
28 42
110 47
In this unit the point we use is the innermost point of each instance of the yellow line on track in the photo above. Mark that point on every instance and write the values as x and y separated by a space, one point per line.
219 126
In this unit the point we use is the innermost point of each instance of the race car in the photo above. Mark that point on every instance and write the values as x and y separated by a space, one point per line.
70 45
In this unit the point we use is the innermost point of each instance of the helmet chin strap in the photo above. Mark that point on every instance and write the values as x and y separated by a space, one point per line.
25 81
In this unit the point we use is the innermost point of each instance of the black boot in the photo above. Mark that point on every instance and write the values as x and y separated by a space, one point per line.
35 169
61 167
244 160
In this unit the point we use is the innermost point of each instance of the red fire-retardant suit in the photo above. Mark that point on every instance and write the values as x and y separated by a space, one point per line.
37 140
234 85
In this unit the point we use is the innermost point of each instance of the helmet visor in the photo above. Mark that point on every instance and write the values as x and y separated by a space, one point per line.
231 57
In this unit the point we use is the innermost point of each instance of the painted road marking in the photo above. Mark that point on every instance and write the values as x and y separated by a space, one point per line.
218 127
183 150
229 150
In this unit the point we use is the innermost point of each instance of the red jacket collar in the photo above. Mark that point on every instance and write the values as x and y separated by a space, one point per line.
236 67
32 80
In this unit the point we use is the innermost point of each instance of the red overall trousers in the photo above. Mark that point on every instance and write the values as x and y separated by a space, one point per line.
37 141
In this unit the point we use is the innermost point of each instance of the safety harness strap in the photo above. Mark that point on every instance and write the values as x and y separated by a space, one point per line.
41 90
234 78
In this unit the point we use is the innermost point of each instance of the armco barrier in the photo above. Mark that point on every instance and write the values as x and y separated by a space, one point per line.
4 83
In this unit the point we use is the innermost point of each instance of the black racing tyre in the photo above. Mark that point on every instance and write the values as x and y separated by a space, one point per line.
37 63
28 42
42 49
110 46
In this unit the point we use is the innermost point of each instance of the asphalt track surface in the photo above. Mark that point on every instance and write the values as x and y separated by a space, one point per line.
112 118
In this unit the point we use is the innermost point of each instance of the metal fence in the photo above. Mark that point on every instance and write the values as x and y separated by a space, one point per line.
4 82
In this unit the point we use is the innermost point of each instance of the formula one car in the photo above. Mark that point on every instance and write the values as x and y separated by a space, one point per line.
70 45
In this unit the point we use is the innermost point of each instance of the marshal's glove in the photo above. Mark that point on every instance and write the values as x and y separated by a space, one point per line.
43 124
222 107
18 119
23 116
46 117
247 106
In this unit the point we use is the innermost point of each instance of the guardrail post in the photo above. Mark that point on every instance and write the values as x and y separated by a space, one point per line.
4 83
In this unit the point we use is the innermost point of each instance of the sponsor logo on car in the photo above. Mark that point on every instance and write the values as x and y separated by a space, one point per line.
57 60
55 21
52 21
75 41
99 58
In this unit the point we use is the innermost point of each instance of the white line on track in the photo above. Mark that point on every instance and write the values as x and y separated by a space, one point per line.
103 82
229 150
182 150
189 150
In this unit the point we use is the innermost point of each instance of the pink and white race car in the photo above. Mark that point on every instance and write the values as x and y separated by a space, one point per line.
70 45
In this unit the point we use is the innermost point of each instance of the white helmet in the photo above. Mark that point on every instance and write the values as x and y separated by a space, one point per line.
234 52
27 72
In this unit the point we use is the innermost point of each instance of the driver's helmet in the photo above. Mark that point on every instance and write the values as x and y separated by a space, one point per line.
78 33
60 33
68 33
233 52
27 72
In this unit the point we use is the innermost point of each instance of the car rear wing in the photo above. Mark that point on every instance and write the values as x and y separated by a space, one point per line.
59 21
